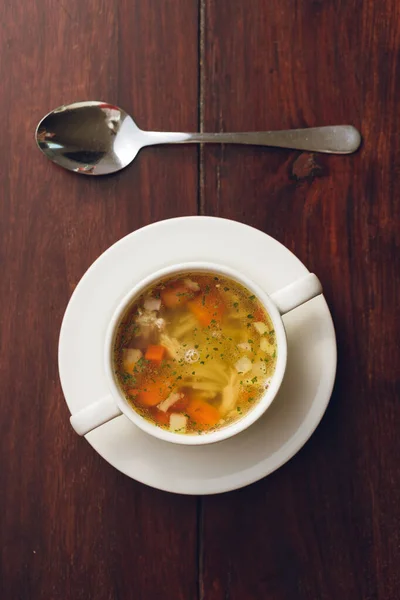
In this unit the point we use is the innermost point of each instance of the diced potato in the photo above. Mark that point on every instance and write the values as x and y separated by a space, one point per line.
256 377
260 327
245 346
191 285
170 401
243 365
177 423
151 304
259 369
265 346
130 357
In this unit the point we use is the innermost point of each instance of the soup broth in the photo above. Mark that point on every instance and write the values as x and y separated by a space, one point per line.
194 352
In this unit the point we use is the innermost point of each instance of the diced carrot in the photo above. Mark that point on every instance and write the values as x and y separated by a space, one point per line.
203 415
201 313
249 394
160 417
148 398
207 308
152 393
155 353
259 314
181 404
176 295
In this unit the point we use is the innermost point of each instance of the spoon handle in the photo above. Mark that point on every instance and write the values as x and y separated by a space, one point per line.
337 139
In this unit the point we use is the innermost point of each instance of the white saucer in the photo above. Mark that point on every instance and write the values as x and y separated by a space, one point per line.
266 445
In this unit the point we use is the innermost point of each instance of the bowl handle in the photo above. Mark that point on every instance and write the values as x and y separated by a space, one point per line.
94 415
297 293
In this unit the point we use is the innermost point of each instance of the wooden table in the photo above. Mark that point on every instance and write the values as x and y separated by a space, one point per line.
326 525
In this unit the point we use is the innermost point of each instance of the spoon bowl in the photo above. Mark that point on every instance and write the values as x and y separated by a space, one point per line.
97 138
92 138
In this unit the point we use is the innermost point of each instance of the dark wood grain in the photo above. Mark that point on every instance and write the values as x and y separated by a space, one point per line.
71 526
326 526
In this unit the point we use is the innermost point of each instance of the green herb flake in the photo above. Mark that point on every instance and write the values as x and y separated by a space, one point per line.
254 380
252 297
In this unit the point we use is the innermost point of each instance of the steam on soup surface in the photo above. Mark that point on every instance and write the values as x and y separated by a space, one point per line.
194 352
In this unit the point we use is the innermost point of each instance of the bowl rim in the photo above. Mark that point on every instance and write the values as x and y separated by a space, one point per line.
243 422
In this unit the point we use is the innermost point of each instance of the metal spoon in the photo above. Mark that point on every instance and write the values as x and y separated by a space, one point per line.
96 138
